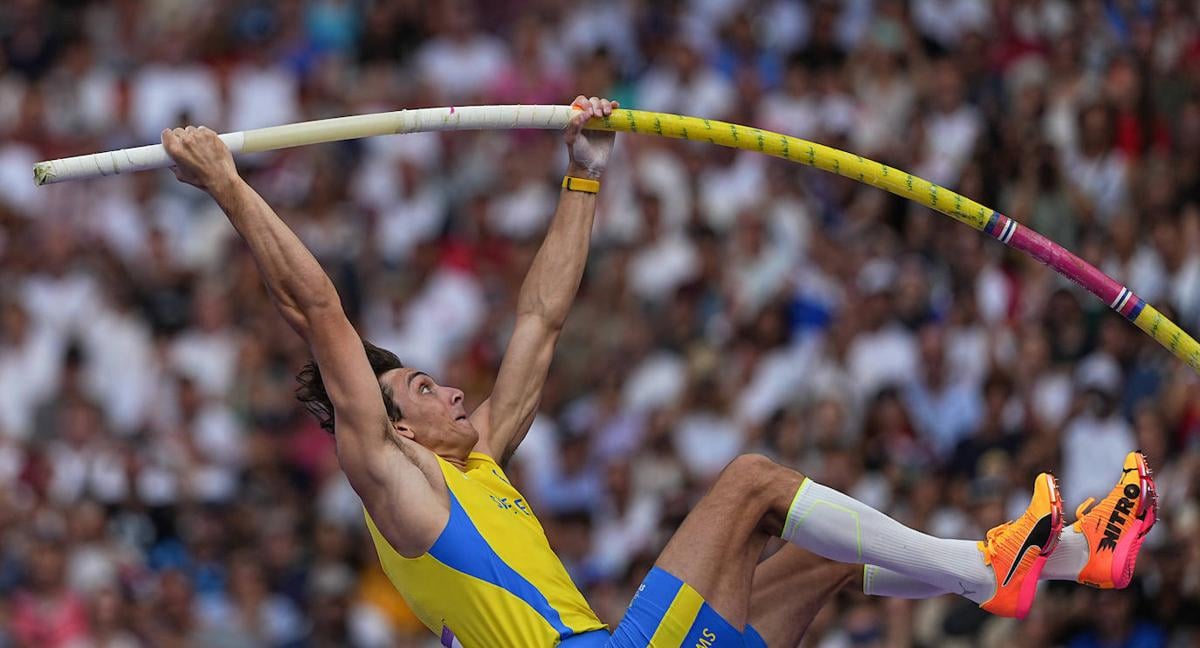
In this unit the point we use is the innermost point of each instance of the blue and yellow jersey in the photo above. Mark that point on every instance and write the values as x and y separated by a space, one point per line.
490 579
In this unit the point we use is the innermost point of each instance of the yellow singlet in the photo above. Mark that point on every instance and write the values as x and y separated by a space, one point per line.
490 579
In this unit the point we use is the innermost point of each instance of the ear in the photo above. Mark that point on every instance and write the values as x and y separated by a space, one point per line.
403 430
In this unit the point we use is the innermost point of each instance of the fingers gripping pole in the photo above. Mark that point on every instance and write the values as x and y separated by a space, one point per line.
848 165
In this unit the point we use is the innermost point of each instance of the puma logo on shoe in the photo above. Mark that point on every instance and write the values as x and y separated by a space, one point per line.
1037 538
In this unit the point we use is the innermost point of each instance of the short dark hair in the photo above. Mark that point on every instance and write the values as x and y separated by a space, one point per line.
315 398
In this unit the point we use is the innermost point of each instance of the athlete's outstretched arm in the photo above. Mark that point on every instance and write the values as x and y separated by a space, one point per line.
373 458
546 294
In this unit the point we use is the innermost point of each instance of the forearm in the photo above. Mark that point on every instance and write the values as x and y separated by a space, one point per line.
553 278
295 280
547 293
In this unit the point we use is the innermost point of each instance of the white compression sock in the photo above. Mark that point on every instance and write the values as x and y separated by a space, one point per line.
836 526
878 581
1068 558
1064 564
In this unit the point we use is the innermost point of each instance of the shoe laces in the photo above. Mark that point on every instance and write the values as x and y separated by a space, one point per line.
994 533
994 543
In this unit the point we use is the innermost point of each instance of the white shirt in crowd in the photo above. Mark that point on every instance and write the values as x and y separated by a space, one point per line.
778 379
658 381
523 212
663 174
207 357
707 442
884 357
726 191
29 373
591 25
795 115
618 537
1102 179
432 326
123 371
410 221
657 270
461 68
883 103
705 93
262 95
945 21
164 93
949 141
16 159
63 303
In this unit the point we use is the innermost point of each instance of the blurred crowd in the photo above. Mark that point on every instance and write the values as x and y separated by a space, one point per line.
160 486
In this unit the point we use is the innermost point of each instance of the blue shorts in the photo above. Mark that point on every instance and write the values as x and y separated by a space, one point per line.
668 613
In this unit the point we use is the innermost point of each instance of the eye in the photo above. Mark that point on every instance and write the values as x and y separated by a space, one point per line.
426 389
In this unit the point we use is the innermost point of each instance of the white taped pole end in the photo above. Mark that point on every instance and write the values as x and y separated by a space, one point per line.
43 173
141 158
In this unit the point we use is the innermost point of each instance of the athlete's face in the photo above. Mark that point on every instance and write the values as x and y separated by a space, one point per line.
433 415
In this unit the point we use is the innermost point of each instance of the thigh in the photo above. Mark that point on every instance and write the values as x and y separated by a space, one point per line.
790 588
668 613
716 548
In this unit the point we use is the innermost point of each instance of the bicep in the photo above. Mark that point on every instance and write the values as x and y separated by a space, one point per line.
349 381
505 417
363 431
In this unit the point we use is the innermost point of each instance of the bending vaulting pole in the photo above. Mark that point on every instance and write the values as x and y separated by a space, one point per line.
855 167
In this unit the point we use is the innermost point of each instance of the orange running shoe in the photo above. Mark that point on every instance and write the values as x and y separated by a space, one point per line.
1017 550
1116 527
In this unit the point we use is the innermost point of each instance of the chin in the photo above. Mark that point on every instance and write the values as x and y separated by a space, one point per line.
463 426
471 435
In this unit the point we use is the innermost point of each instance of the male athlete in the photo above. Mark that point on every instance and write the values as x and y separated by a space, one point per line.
467 552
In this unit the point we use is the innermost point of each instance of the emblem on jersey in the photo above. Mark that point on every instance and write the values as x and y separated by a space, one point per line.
517 506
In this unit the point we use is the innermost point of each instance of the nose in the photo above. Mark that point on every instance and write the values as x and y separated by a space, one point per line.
456 396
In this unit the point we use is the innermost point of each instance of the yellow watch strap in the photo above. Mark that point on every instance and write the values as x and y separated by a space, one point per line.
571 183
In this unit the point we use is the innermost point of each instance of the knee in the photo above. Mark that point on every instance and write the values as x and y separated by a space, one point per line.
752 474
761 488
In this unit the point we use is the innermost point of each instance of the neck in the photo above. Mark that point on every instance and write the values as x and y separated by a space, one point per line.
457 462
